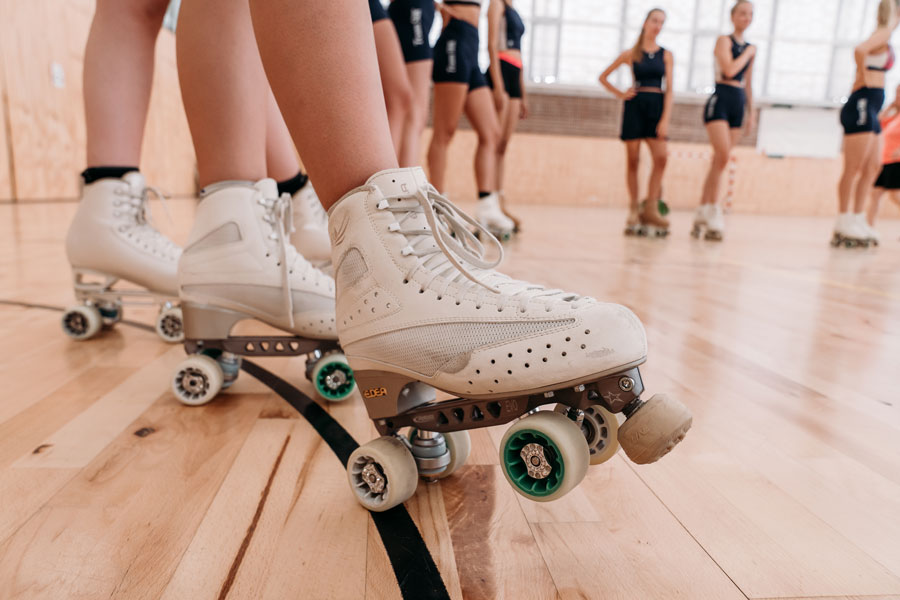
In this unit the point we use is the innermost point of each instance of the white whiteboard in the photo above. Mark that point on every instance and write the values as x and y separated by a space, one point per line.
806 132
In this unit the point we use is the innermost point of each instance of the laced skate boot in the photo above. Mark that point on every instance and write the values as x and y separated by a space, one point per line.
515 220
633 222
653 224
112 238
420 308
699 225
849 232
310 233
715 223
872 235
491 218
239 265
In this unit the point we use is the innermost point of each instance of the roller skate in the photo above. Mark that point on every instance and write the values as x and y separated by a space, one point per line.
715 223
111 239
633 222
699 226
239 265
310 227
516 221
492 219
849 232
872 235
421 309
652 224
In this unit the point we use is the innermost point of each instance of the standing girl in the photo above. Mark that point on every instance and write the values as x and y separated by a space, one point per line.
648 108
724 114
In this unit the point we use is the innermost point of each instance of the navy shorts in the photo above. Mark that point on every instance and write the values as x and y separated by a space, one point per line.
860 113
456 56
512 81
377 10
641 116
726 104
413 20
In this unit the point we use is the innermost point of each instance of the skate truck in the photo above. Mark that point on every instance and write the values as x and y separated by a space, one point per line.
543 455
214 357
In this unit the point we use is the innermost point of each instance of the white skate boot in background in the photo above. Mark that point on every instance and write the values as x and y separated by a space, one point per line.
492 218
310 235
700 218
715 223
419 307
872 235
111 238
849 232
239 265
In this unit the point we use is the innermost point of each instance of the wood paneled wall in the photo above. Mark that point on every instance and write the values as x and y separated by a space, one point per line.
45 140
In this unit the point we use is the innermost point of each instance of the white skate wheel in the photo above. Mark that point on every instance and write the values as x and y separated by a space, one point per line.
333 377
460 445
382 473
600 428
197 380
170 325
544 456
82 322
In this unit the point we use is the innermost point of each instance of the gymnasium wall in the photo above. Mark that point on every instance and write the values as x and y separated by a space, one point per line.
42 127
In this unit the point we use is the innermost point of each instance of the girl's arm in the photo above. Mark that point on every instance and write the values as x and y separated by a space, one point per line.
623 59
495 15
662 130
730 66
748 90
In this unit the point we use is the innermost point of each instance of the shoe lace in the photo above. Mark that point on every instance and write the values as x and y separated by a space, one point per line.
277 213
457 255
137 208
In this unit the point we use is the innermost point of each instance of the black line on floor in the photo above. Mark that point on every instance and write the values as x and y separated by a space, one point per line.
417 574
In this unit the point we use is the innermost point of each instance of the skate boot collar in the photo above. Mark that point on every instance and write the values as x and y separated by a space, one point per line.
391 182
268 187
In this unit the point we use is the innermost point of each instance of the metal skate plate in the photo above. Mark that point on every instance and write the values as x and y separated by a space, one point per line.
261 345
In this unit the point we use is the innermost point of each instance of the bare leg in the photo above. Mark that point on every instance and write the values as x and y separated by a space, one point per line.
224 89
509 119
118 77
449 100
659 150
419 73
721 139
856 147
281 157
394 80
335 115
868 175
480 112
875 204
632 164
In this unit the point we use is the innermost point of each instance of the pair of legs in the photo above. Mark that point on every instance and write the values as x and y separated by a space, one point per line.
405 92
862 153
723 139
508 118
118 78
450 100
659 152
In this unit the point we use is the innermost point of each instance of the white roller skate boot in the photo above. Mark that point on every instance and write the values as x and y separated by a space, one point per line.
239 265
111 238
871 233
715 223
419 308
310 233
849 232
492 218
700 217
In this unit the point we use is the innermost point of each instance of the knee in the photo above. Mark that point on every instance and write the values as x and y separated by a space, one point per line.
502 144
443 135
144 12
489 138
399 100
660 160
720 161
633 162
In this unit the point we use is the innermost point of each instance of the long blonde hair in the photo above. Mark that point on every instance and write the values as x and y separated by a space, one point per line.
638 48
885 9
737 5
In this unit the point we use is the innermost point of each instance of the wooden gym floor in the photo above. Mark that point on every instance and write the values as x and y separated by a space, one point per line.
788 485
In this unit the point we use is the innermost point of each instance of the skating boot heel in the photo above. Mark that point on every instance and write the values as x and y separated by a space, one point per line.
215 357
100 305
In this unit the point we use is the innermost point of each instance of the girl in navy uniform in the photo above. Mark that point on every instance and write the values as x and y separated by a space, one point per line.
724 115
648 108
862 130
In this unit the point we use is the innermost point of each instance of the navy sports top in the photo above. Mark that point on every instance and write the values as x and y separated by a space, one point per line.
650 70
736 50
515 28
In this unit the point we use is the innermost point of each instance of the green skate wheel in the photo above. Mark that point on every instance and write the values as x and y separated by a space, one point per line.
663 207
82 322
382 474
197 380
333 377
544 456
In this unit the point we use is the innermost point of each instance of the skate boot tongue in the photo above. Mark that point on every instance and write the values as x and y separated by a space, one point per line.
136 183
268 188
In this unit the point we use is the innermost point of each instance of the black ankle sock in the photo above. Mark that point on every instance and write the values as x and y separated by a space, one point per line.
294 184
483 195
92 174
